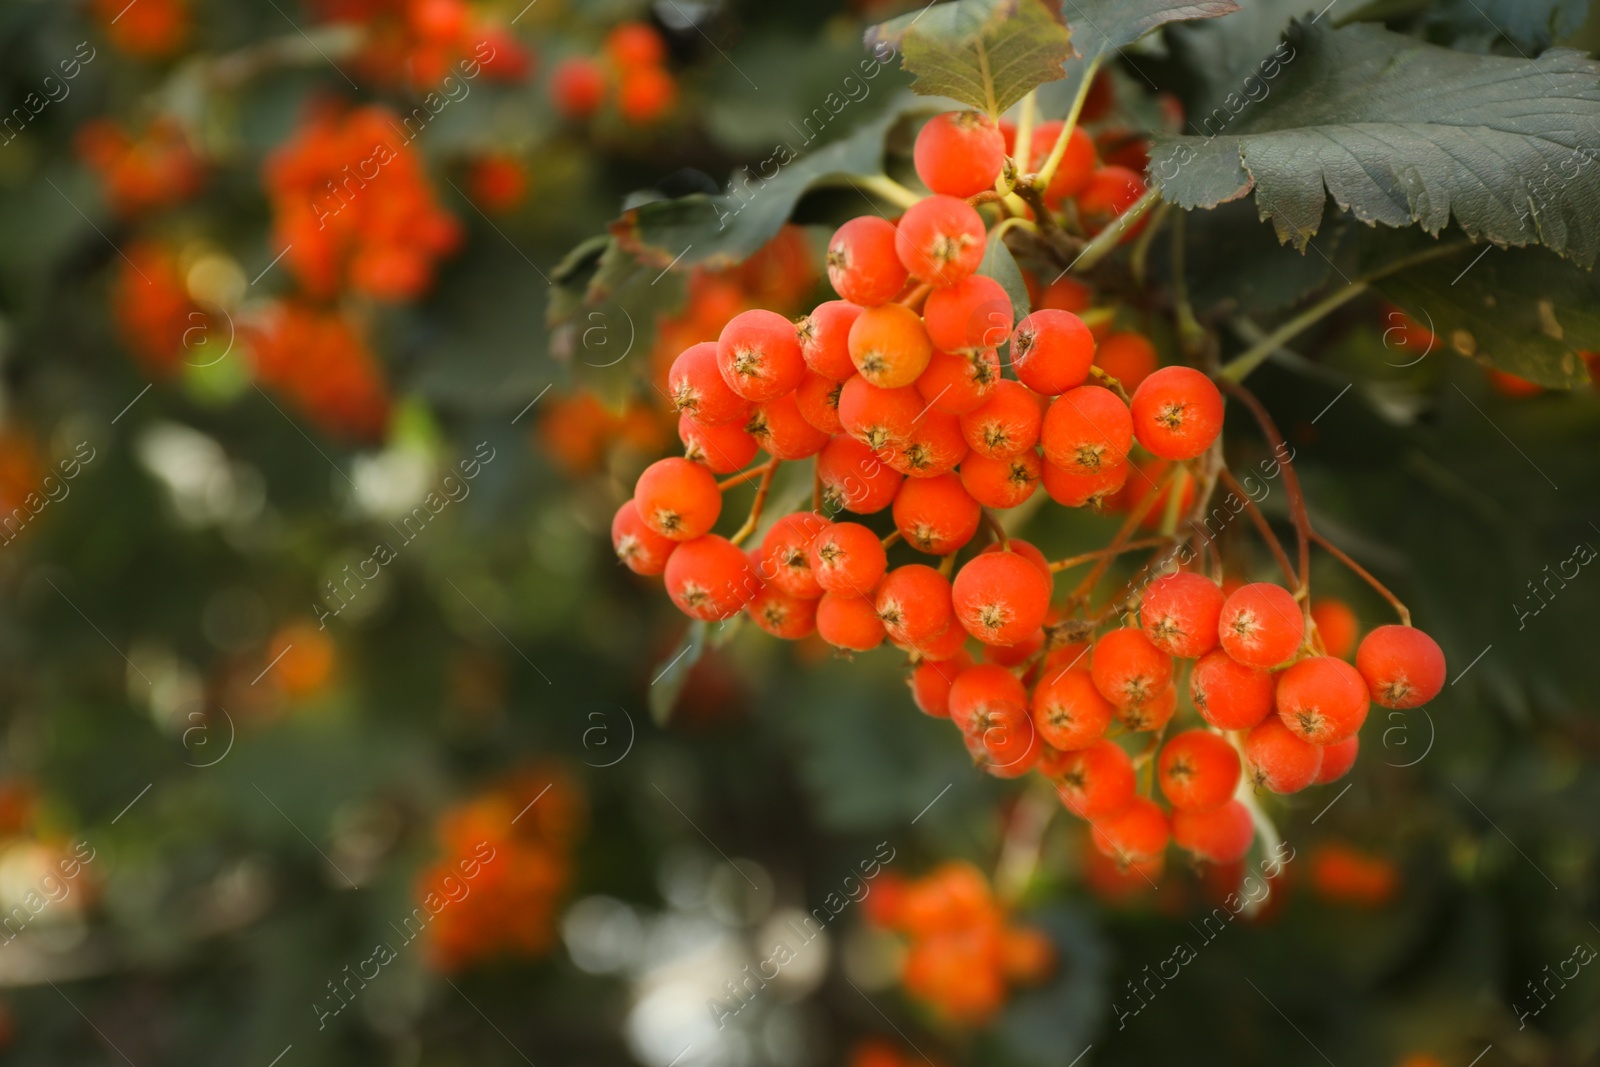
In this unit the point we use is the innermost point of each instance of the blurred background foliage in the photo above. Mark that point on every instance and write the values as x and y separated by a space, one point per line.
306 607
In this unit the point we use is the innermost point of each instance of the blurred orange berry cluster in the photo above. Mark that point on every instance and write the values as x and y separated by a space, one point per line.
353 206
633 65
876 1052
149 29
577 431
522 834
498 182
139 174
419 41
321 362
152 307
1344 874
964 951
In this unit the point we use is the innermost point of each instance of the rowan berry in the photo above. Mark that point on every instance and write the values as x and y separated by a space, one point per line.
678 498
1015 654
1338 758
723 449
1027 550
1007 422
1130 358
759 355
1219 835
639 547
1177 413
1077 162
1128 669
958 382
1228 694
1179 613
1001 483
1403 667
1198 770
935 515
635 44
853 477
1027 956
824 337
878 418
959 153
914 603
710 579
972 315
944 646
863 264
849 622
1086 430
1001 597
1322 699
818 400
697 389
1051 351
1011 745
1069 711
783 431
783 615
1151 714
934 446
1066 293
1096 780
577 87
940 240
1279 759
1110 192
1136 834
1074 490
785 558
930 683
889 346
981 690
847 558
646 94
1337 626
1261 624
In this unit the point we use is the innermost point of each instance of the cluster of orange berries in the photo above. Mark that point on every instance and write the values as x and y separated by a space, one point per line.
140 174
419 41
632 65
150 29
353 206
152 309
321 362
521 836
964 951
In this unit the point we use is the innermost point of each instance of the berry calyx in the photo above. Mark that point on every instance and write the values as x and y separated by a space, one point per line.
697 388
1069 711
936 515
913 603
638 547
1095 781
1087 430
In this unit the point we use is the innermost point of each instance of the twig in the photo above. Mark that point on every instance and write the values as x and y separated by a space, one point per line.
996 529
1366 576
1108 238
1291 481
1099 553
757 504
1262 525
1110 382
745 475
1135 517
1059 149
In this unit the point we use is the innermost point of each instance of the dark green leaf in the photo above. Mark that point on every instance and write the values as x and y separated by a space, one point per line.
999 264
674 672
1100 26
1402 132
987 54
603 313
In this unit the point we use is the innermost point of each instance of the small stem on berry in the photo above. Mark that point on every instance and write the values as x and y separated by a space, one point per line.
894 535
988 196
914 299
1015 223
1140 256
996 529
1108 238
882 185
1239 368
1291 481
947 564
1262 525
1110 382
1059 149
745 475
1190 333
1131 523
757 504
1100 553
1027 118
1366 576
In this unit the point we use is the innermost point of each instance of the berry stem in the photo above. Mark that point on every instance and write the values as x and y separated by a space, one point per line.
1099 553
1024 841
816 486
1239 368
1190 333
1059 149
894 535
757 504
1291 481
995 528
1027 118
1366 576
1131 523
1108 238
882 185
745 475
915 297
1262 525
1112 383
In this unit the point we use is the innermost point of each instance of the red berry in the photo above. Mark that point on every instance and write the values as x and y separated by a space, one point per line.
878 418
1006 423
1220 835
849 622
1198 770
1096 781
710 579
698 390
782 614
1179 613
1261 624
1001 597
1403 667
863 263
959 382
824 337
759 355
1337 626
940 240
640 548
1136 834
1110 192
1069 711
853 478
1001 483
1152 714
1087 430
914 603
1127 669
578 87
783 431
635 44
818 400
1278 759
1066 294
1028 551
1228 694
1074 490
972 315
1322 699
934 446
959 153
1177 413
646 94
936 515
785 557
889 346
723 449
678 498
946 645
1338 758
1130 358
1011 745
1014 655
930 683
978 692
848 558
1077 162
1052 351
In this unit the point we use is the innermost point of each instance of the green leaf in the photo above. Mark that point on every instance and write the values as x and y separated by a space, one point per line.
999 264
987 54
1522 311
1403 132
674 672
1101 26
